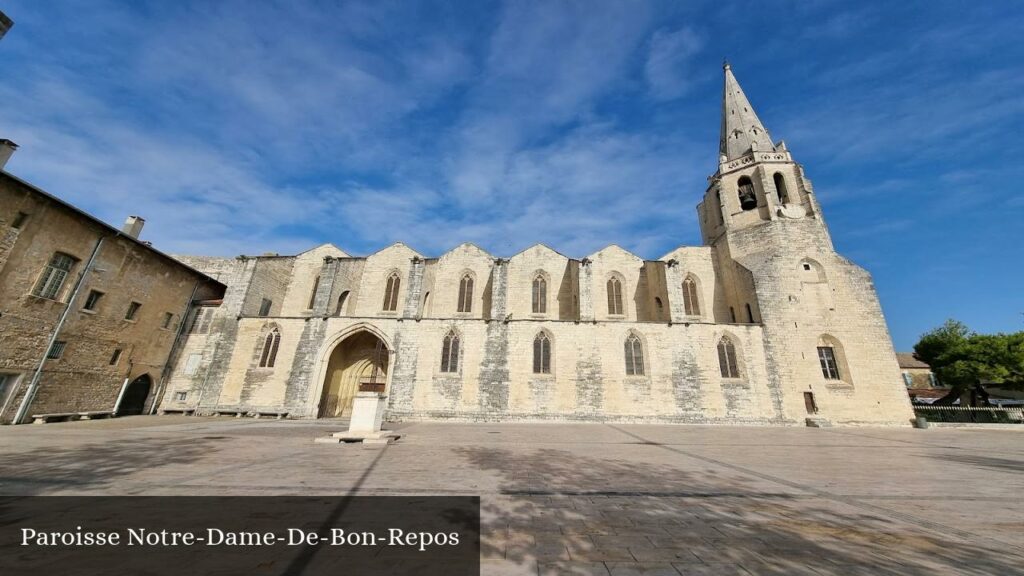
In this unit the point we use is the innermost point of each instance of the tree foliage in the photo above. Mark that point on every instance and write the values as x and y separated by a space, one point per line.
961 358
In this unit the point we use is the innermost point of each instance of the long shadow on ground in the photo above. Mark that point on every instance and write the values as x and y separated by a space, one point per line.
567 513
94 466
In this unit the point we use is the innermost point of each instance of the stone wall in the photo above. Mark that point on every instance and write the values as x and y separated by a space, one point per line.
87 376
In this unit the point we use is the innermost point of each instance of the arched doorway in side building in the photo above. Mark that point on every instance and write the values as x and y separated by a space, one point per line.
360 360
133 402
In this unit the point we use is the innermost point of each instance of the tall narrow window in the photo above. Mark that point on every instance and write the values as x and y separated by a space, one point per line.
168 318
52 279
270 345
312 295
691 306
614 296
542 354
115 357
727 358
732 314
750 314
748 199
341 303
780 188
197 320
466 294
19 220
450 353
634 356
133 310
391 293
718 207
540 295
829 366
265 305
658 307
92 300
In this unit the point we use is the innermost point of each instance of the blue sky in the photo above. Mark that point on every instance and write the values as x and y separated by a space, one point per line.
247 127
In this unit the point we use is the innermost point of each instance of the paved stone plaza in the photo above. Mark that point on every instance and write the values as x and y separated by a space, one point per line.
593 498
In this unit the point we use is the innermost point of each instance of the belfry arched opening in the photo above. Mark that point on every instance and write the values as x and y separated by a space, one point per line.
360 361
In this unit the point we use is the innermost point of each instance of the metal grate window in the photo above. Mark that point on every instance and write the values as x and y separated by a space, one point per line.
57 350
54 275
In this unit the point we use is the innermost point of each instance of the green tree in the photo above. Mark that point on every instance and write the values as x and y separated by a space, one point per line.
962 359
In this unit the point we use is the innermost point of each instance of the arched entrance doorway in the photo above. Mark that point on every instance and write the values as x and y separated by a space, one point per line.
360 359
134 400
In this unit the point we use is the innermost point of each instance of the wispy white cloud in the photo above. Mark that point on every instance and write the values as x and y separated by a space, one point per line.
669 66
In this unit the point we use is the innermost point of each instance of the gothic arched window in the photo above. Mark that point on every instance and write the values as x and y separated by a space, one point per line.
542 354
391 293
727 358
691 305
270 345
634 356
540 295
748 199
614 296
450 353
466 294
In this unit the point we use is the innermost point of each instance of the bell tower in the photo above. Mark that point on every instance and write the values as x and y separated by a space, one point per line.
826 344
757 180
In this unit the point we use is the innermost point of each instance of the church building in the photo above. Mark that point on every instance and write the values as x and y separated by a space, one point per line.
763 324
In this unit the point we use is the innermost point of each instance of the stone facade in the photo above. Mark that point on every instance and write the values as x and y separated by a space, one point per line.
764 324
99 351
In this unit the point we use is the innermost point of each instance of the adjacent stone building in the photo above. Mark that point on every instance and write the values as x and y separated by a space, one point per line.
89 315
765 323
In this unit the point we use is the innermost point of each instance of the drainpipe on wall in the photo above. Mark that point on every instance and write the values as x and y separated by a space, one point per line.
33 386
124 386
165 373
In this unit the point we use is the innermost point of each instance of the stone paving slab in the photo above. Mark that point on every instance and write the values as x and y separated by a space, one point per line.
598 499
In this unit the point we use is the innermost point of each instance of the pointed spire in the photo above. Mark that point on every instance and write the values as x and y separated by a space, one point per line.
742 130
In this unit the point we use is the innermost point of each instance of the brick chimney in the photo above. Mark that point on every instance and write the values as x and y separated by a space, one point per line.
133 226
7 149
